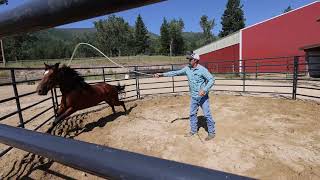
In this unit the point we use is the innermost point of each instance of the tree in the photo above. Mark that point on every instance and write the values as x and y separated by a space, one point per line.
164 37
114 36
18 46
287 9
232 19
171 39
3 2
207 26
141 36
176 40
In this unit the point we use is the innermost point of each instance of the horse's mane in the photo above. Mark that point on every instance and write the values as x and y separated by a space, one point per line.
69 79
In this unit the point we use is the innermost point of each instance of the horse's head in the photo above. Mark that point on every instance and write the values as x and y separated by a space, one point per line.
49 79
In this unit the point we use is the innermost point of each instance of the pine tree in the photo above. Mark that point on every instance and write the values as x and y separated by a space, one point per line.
287 9
207 26
164 37
232 19
176 40
141 36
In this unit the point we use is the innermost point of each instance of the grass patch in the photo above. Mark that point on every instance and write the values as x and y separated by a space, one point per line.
4 74
100 61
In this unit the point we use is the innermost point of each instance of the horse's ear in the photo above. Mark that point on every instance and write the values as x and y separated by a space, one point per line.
56 66
46 66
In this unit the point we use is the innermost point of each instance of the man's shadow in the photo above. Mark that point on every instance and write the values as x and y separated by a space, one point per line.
202 122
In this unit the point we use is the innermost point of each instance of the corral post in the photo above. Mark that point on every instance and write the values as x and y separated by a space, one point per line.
56 97
53 103
137 82
15 90
287 74
233 71
257 64
243 76
103 75
295 77
2 53
172 79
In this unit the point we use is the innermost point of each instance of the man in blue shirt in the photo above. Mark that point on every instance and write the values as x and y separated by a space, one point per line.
200 82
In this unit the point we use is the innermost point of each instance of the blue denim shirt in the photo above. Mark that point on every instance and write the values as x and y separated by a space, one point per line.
198 77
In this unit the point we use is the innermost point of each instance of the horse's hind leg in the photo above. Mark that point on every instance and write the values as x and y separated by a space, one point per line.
112 107
121 103
124 107
113 110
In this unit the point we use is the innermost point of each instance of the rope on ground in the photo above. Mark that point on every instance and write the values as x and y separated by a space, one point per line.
87 44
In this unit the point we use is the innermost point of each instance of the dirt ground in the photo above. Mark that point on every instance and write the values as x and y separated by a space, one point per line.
257 137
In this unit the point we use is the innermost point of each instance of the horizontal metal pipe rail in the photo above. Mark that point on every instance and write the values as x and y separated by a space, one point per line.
42 14
104 161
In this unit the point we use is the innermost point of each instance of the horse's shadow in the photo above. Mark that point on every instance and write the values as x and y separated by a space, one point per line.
100 123
69 128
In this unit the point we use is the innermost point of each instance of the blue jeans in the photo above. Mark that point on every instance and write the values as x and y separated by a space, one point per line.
205 105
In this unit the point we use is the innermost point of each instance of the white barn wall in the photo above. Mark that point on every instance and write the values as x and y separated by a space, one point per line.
227 41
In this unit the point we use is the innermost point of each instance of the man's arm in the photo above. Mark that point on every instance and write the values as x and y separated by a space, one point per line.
172 73
211 80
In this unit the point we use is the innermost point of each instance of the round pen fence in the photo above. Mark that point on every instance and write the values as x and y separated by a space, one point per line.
284 76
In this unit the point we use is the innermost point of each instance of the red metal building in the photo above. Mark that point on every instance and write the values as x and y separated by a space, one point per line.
280 36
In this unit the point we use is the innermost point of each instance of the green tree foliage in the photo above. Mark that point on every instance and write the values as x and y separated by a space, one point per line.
114 36
141 36
176 40
287 9
171 39
48 44
3 2
207 25
232 19
18 47
164 37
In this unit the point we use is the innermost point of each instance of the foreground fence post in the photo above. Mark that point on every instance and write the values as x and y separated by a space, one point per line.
16 94
295 77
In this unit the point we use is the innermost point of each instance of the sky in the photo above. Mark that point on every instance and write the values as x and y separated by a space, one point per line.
190 11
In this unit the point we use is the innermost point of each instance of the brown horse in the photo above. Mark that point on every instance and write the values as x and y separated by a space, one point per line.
76 93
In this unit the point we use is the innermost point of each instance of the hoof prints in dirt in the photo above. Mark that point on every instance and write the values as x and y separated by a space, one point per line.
21 169
68 128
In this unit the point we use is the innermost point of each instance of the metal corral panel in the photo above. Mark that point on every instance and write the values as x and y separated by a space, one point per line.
227 41
282 36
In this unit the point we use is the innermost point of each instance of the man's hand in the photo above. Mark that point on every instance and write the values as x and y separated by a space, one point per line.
157 75
202 93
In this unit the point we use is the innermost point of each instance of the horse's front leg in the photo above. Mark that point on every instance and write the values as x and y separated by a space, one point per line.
62 108
65 114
